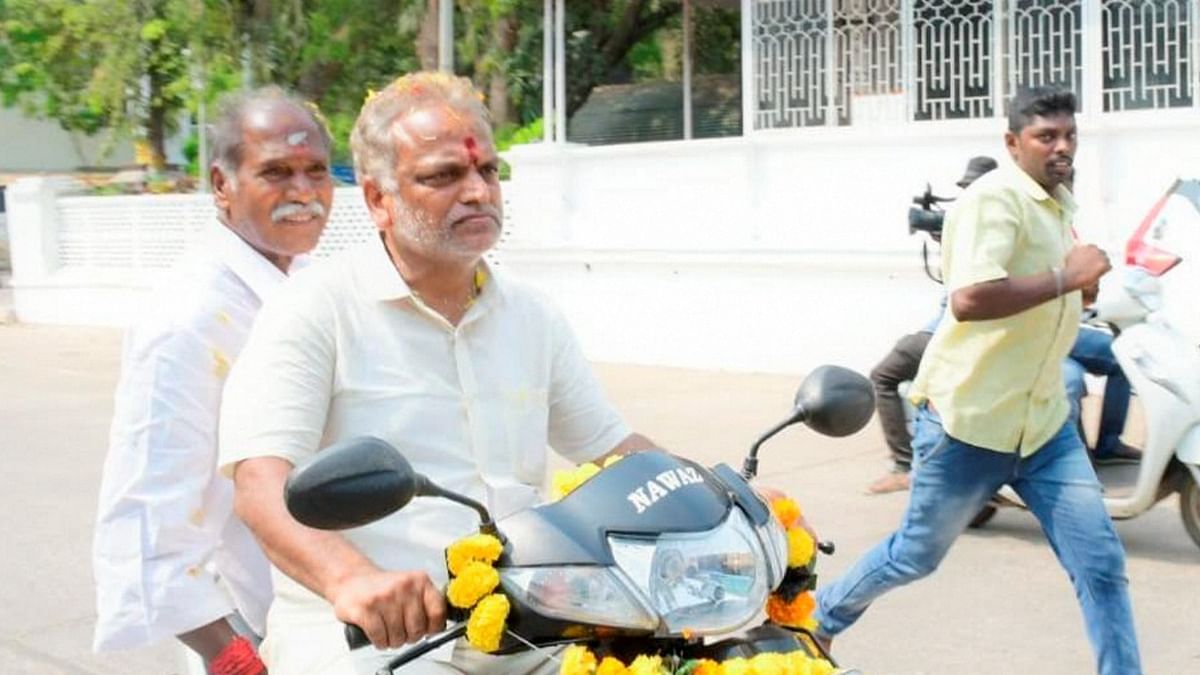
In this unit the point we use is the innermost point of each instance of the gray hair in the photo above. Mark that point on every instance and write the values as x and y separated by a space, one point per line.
372 142
225 134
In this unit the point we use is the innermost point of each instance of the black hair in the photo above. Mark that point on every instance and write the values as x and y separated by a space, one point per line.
1038 102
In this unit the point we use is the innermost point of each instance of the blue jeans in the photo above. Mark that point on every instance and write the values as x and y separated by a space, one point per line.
1092 353
951 482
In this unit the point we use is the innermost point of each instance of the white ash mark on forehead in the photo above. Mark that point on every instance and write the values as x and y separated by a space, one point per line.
297 138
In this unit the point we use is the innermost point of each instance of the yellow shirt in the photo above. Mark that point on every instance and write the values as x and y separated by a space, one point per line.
997 384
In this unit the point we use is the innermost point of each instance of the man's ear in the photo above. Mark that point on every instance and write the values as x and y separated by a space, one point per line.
378 204
222 188
1010 142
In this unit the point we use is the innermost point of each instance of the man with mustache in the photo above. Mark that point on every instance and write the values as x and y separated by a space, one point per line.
170 558
413 338
991 404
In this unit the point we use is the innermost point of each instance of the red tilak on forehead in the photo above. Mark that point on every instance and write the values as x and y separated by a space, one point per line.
472 148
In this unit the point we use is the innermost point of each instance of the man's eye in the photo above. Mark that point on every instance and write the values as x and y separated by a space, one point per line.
318 170
274 173
444 176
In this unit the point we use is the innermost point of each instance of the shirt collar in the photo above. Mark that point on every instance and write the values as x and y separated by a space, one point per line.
379 280
1038 193
254 270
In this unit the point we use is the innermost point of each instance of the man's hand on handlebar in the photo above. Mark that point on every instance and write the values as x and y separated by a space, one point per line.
392 608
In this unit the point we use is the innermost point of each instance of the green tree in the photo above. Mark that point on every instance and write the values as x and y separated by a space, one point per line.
124 66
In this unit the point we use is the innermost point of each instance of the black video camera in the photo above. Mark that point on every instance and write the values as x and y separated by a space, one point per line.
927 216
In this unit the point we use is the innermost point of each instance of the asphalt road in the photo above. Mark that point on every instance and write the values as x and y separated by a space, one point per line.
999 604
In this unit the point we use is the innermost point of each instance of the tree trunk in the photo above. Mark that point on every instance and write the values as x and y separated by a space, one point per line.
427 38
504 37
156 124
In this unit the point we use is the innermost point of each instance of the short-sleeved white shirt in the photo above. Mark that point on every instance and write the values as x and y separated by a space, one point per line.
346 350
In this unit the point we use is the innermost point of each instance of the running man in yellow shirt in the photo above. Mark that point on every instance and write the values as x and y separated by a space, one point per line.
991 404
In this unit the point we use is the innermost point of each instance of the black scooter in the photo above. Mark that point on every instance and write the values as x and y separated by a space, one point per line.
650 556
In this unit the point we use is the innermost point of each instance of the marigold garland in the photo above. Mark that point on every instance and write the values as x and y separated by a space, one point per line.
470 563
476 580
486 625
801 547
579 660
792 603
481 547
566 480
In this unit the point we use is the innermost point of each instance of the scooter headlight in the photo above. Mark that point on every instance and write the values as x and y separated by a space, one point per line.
593 595
704 582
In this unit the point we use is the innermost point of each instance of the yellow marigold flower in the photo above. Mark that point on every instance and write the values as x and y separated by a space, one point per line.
791 614
801 547
647 665
567 480
611 666
707 667
577 660
613 459
786 510
476 580
800 663
481 547
769 663
486 625
737 666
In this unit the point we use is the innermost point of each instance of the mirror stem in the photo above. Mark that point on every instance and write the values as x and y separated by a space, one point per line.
750 466
486 524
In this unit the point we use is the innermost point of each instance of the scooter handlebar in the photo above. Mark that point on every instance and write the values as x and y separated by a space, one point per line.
356 637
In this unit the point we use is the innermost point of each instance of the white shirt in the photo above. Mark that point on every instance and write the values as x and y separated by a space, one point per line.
165 527
345 350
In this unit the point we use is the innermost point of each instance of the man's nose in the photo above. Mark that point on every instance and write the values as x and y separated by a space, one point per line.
475 188
302 187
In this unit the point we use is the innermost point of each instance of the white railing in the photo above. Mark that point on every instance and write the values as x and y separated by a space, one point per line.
836 62
147 233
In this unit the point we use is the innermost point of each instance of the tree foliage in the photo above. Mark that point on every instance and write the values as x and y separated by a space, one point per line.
139 66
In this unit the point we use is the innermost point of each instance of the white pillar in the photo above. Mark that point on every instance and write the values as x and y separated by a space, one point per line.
549 39
687 69
831 66
1092 86
560 71
446 36
999 55
32 230
749 86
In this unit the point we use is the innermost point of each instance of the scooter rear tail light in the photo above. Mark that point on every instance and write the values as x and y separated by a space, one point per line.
1139 252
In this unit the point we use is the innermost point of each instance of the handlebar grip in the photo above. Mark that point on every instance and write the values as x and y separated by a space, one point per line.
356 637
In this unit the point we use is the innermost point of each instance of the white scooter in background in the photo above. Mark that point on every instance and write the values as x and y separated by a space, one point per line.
1163 367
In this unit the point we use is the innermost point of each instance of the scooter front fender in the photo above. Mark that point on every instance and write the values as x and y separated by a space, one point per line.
1188 450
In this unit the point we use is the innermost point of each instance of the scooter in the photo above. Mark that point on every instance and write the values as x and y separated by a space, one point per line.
653 555
1163 366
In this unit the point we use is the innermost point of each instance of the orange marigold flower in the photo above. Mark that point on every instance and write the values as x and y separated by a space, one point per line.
791 614
786 510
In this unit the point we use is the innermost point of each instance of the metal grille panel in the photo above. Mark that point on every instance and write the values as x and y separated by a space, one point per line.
1046 45
953 54
789 63
1147 60
819 62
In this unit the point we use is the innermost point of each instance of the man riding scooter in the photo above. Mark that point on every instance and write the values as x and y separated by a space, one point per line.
1091 353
